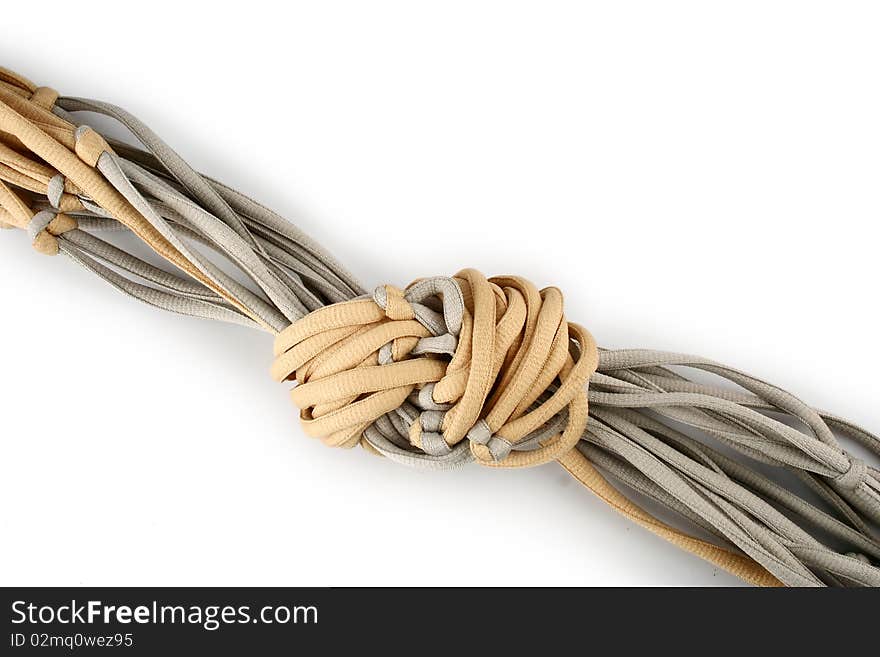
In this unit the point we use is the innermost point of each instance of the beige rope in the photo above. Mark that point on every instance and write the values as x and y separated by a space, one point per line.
579 467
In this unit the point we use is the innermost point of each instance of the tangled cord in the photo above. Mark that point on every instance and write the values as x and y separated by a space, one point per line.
491 361
450 370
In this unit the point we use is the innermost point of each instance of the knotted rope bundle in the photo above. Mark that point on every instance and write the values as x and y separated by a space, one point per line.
375 369
451 370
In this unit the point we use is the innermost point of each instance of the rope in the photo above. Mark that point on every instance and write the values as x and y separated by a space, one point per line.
452 370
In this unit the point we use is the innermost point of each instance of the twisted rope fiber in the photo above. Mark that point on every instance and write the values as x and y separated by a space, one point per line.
451 370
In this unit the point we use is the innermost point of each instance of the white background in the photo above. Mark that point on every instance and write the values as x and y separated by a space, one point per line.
699 177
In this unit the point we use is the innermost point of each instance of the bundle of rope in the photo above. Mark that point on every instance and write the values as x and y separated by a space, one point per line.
452 370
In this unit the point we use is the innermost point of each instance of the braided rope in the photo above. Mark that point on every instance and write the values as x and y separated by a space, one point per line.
450 370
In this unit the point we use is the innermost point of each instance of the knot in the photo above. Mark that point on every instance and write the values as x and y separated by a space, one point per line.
392 301
854 477
488 366
55 190
45 227
89 145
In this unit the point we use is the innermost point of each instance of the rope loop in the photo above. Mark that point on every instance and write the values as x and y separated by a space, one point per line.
45 227
489 365
855 475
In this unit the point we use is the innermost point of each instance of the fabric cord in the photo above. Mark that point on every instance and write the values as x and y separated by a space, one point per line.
455 370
